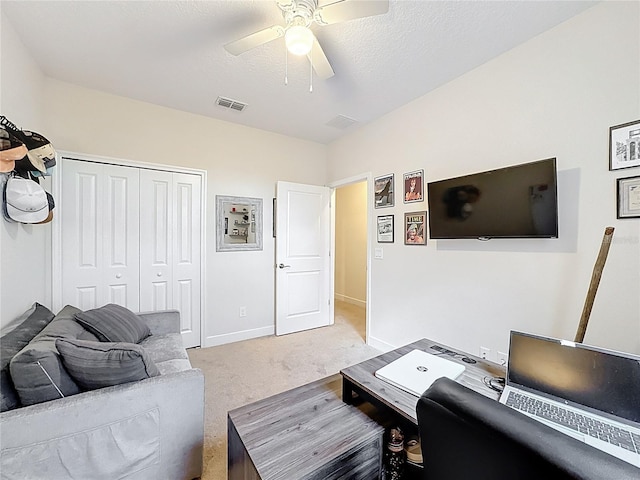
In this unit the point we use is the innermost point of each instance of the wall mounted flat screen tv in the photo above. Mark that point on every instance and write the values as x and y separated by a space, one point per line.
519 201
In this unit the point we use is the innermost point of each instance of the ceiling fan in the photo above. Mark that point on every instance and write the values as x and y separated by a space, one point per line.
300 40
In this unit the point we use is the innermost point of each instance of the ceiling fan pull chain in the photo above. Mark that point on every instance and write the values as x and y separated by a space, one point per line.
286 66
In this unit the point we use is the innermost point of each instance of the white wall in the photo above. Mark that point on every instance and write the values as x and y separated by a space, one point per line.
554 96
351 244
239 160
23 248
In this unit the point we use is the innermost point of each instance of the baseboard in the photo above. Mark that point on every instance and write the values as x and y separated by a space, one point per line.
223 339
351 300
380 345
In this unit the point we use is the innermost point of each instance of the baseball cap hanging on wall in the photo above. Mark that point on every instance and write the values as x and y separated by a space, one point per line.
27 155
40 153
11 149
51 207
25 201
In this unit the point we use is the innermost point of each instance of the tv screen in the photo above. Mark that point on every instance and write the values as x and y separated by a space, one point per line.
519 201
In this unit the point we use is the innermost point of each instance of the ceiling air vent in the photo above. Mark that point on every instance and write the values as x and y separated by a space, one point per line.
229 103
341 122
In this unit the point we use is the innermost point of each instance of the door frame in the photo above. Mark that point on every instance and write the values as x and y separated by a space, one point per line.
56 230
367 177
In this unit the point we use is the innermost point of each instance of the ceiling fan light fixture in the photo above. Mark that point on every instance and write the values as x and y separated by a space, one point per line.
299 40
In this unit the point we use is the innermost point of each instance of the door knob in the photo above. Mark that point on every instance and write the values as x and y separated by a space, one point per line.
118 275
159 274
282 265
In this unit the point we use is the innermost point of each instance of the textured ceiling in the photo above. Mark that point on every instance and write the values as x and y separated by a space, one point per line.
171 53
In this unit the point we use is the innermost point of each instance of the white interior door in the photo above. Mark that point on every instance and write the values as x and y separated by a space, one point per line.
170 234
303 261
100 235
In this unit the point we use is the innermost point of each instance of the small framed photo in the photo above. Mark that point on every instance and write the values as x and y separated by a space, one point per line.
413 186
383 190
624 146
415 225
385 229
629 197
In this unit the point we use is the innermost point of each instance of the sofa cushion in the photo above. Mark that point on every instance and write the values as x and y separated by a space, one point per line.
114 323
36 371
103 364
22 331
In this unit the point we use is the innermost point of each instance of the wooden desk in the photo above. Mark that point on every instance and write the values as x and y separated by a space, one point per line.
360 378
305 433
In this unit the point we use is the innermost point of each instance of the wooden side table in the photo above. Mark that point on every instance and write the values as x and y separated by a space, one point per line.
305 433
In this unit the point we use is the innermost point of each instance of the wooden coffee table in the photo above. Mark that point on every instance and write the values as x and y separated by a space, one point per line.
359 380
306 433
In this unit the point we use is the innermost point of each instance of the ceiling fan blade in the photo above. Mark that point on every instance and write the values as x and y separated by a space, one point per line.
344 10
319 61
254 40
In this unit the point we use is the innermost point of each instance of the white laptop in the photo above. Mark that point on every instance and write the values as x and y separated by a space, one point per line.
417 370
589 393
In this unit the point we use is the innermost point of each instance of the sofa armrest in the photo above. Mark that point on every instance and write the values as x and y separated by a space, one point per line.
162 322
37 440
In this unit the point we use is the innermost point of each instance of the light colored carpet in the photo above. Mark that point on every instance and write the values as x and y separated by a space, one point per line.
244 372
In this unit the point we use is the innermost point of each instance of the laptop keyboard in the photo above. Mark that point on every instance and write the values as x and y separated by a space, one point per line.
575 421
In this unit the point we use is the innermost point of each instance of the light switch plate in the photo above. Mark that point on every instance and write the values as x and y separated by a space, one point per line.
378 253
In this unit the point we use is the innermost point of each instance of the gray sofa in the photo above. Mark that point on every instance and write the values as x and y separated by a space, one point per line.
148 429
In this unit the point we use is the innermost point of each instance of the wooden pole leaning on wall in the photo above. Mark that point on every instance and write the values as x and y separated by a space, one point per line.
595 281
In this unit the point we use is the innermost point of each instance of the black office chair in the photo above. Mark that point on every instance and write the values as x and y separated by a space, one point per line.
466 436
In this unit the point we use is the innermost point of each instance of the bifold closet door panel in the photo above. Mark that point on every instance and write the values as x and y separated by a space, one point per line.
99 211
187 259
170 238
156 241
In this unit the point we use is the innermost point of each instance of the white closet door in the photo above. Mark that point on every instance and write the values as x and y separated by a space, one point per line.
156 252
186 255
170 236
100 235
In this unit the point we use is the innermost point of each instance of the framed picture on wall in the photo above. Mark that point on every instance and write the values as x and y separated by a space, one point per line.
624 146
413 186
383 191
385 229
415 228
629 197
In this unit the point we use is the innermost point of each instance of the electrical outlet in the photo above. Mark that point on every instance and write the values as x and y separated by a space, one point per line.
502 358
484 352
243 311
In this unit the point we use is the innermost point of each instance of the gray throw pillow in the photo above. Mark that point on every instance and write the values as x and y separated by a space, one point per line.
25 328
113 323
37 371
102 364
